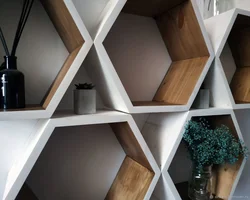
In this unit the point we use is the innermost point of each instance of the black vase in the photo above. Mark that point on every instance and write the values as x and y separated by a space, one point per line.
12 85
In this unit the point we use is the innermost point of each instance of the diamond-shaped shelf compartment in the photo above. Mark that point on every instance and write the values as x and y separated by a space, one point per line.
99 156
151 56
49 56
230 36
163 134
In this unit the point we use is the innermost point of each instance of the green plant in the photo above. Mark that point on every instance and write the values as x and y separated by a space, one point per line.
85 86
207 146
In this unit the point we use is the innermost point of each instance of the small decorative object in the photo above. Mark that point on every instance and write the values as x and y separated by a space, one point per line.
12 81
85 99
202 99
207 147
216 7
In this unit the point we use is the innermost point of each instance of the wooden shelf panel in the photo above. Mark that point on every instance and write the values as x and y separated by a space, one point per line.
240 85
235 60
150 103
60 77
131 182
180 81
172 32
59 37
81 143
181 33
149 8
224 176
64 23
239 41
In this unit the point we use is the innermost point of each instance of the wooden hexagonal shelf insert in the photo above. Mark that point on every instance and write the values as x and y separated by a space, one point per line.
60 15
68 152
158 50
224 176
239 43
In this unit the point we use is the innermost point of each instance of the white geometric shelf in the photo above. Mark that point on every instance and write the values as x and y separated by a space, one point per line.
229 80
125 131
163 134
118 82
77 41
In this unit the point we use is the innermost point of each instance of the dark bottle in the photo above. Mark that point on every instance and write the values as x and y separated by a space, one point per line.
12 85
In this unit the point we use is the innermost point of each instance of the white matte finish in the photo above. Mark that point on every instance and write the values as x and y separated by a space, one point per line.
163 134
110 80
22 167
219 28
43 74
199 113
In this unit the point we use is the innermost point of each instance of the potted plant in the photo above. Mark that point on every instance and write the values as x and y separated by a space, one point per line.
84 99
209 147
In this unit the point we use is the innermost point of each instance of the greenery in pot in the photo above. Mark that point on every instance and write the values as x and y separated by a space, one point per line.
84 86
208 146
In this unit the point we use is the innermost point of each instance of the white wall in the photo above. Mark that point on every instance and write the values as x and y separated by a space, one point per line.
242 190
77 163
139 55
41 53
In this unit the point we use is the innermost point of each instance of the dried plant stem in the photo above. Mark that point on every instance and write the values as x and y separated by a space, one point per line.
4 42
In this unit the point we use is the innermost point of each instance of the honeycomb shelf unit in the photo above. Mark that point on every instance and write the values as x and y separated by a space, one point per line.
168 129
108 148
231 62
169 66
77 42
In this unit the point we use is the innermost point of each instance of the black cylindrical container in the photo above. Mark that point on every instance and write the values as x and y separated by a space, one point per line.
12 85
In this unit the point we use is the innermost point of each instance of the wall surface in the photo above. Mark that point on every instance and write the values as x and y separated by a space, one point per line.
77 163
130 63
40 54
242 190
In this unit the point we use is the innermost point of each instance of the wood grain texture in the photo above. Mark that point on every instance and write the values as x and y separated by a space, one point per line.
226 175
181 33
27 108
149 8
60 77
63 23
240 85
150 103
26 193
180 81
131 182
129 143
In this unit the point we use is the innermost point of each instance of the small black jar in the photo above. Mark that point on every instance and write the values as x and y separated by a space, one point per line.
12 85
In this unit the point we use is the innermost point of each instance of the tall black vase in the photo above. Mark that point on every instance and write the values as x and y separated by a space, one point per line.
12 85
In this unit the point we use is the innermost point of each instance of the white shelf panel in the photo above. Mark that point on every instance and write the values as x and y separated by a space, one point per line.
63 119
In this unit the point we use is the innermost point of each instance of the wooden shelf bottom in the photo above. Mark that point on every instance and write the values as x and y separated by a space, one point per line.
152 103
131 183
240 85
